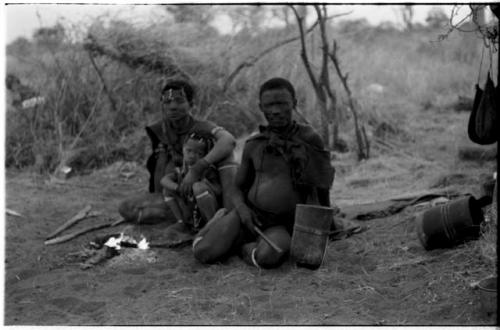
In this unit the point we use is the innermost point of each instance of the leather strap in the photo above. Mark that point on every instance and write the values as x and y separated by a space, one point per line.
311 230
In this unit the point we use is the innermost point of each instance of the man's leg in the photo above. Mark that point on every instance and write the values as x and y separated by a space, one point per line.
262 254
217 238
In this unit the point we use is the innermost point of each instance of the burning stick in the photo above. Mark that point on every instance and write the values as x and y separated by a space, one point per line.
78 217
67 237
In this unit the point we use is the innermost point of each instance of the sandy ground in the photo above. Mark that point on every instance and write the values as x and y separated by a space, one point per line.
381 276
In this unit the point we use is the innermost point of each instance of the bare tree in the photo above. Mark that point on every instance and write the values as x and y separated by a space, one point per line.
321 83
327 97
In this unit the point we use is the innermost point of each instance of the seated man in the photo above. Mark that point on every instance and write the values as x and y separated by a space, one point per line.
167 138
194 210
282 166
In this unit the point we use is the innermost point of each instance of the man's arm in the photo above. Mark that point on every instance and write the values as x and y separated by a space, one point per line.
244 177
311 137
243 181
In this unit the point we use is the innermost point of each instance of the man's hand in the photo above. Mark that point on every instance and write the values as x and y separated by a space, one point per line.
248 217
194 174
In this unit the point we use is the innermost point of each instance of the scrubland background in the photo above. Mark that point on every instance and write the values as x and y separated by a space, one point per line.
414 87
88 121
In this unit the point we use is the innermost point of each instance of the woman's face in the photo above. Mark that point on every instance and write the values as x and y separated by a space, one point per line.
175 105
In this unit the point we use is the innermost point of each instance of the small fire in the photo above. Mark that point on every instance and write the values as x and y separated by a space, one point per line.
113 242
143 244
126 241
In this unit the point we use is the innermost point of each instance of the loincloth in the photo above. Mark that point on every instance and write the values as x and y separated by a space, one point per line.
269 219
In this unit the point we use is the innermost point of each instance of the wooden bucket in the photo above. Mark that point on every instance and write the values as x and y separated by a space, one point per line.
310 235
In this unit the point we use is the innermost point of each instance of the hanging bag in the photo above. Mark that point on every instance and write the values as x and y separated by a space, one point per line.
483 120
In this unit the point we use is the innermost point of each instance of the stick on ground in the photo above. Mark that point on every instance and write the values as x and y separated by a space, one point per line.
82 214
12 212
82 231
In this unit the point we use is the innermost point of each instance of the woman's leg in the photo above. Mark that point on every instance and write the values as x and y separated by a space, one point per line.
205 199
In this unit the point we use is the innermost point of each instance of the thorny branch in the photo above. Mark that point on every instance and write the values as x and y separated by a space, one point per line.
488 34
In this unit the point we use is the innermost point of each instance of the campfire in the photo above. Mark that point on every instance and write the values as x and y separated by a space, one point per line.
110 246
126 241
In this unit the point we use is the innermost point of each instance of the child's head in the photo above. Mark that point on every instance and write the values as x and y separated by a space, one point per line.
194 148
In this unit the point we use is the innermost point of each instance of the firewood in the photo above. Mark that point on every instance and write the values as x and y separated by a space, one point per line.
67 237
82 231
82 214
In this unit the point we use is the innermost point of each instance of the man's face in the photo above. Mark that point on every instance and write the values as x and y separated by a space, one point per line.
193 150
175 105
277 106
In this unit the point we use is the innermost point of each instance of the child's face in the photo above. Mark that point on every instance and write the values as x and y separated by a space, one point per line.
193 150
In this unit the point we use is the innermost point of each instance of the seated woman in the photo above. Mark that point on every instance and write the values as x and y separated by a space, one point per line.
167 137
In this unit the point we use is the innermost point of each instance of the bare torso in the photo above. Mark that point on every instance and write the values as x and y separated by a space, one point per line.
272 190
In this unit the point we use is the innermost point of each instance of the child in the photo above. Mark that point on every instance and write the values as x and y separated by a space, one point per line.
197 208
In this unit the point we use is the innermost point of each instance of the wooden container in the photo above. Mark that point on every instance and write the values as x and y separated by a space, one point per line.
310 235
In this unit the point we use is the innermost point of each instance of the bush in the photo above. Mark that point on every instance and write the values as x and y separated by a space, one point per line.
107 122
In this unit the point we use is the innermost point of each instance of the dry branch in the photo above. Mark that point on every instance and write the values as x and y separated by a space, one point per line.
82 214
104 85
303 52
82 231
255 58
147 62
321 84
361 138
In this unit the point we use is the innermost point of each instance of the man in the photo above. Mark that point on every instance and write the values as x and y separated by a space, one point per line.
167 138
283 165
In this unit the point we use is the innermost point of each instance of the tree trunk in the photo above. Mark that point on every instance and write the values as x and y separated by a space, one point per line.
324 120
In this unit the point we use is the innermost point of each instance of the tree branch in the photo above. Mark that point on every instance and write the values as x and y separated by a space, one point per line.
363 144
254 59
149 63
303 52
104 85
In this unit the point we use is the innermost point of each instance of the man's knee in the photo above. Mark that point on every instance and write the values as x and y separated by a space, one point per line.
268 258
265 255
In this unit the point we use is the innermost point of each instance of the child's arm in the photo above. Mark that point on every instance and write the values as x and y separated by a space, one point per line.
168 182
